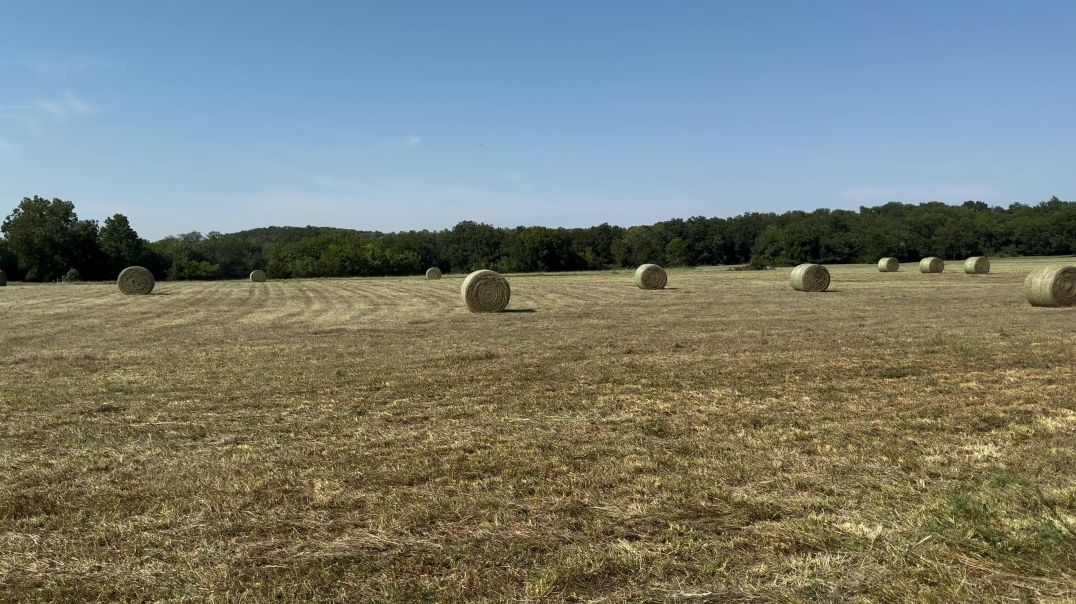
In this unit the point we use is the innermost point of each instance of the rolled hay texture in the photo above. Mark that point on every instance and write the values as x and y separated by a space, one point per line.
3 278
433 273
810 278
650 276
257 276
135 280
485 291
888 265
977 265
931 264
1051 286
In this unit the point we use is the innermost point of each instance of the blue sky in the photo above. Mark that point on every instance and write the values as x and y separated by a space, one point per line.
399 115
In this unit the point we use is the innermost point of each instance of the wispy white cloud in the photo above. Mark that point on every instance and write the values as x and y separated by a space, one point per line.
512 175
68 107
8 148
412 140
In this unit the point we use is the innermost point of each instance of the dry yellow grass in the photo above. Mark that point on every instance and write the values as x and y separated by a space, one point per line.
371 440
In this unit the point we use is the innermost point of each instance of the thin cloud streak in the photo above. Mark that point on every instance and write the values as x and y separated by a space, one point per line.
70 106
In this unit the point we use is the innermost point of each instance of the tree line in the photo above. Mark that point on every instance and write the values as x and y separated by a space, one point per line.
44 240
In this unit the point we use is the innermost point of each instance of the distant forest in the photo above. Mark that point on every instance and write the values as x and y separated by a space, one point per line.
44 240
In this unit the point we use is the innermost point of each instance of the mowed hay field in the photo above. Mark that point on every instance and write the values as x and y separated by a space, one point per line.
901 437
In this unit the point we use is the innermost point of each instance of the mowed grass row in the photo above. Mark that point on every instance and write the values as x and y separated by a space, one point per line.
901 437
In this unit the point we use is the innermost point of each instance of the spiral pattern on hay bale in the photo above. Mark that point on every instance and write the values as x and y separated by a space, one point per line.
433 273
810 278
1051 286
650 276
485 291
3 278
931 264
888 265
257 276
977 265
135 280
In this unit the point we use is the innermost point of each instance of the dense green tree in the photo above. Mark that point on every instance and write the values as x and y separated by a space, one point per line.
121 244
47 239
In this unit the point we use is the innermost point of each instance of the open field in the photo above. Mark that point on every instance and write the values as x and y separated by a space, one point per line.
903 437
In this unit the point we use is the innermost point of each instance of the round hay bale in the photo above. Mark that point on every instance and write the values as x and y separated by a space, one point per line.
931 264
1051 286
888 265
135 280
3 278
485 291
257 276
433 273
810 278
977 265
650 276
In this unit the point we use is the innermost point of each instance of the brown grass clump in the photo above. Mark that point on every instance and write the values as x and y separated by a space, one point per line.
977 265
433 273
135 280
485 291
810 278
1051 286
650 276
888 265
257 276
931 264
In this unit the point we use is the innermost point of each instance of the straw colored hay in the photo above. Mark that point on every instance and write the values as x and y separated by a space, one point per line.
433 273
977 265
810 278
3 278
257 276
485 291
1051 286
888 265
650 276
135 280
931 264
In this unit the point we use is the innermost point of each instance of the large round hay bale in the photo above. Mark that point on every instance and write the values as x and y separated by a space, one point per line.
810 278
3 278
888 265
977 265
257 276
485 291
433 273
135 280
931 264
650 276
1051 286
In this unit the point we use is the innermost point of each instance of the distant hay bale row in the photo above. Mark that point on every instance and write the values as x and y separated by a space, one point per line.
1051 286
485 291
977 265
433 273
931 264
135 280
257 276
810 278
3 278
650 276
888 265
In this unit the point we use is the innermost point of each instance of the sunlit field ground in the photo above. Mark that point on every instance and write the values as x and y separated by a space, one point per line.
901 437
